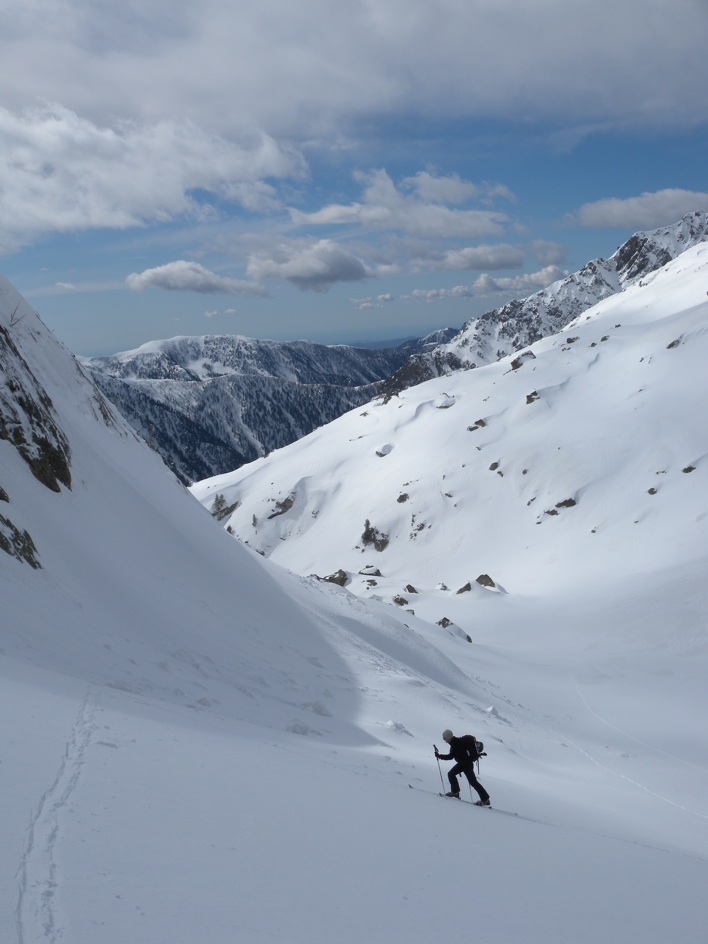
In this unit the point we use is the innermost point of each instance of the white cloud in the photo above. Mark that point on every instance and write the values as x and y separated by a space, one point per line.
647 211
373 301
525 284
546 252
499 256
522 285
440 294
63 173
183 276
452 189
309 68
385 207
313 266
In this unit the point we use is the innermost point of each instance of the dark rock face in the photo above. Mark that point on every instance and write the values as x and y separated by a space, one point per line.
27 419
29 422
18 543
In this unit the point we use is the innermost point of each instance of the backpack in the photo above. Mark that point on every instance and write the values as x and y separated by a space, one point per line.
479 745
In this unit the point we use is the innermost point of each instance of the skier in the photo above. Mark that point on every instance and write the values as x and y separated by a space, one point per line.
463 750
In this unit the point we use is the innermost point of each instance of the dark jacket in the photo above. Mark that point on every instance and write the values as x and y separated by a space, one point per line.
462 749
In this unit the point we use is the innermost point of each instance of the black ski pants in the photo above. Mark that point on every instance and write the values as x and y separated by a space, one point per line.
468 770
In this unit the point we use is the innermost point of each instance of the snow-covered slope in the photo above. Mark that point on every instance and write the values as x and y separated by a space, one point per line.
209 404
199 746
587 444
552 506
521 322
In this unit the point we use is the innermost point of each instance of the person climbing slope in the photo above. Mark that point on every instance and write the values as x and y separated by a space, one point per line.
463 750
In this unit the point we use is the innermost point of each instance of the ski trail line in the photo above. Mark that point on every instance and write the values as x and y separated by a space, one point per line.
38 875
613 727
616 773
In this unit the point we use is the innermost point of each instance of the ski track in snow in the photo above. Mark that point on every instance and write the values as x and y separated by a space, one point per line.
616 773
652 747
38 873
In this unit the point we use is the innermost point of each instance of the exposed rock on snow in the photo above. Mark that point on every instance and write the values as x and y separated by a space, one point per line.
281 507
484 580
340 577
372 535
220 509
18 544
28 419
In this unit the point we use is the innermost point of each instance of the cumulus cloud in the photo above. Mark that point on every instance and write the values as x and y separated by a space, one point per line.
440 294
498 256
522 285
419 211
62 173
183 276
525 284
311 266
373 301
647 211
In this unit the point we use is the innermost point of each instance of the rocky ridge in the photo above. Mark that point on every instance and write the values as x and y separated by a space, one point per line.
521 322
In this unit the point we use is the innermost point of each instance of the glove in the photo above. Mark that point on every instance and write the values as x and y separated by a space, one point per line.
436 753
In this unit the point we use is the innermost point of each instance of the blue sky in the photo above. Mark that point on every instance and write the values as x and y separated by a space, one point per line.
340 171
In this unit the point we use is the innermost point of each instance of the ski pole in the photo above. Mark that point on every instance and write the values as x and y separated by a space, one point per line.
442 784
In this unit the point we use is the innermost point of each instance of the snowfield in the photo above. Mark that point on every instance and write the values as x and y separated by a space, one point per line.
543 470
204 743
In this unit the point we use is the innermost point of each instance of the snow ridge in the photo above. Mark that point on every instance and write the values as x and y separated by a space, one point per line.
520 323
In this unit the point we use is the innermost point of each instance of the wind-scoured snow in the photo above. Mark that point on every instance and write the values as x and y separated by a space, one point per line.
199 746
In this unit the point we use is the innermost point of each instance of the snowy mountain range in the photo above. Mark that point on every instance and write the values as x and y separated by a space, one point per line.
586 445
209 404
202 745
519 323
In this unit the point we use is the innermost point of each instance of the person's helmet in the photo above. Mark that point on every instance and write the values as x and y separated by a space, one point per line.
447 735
